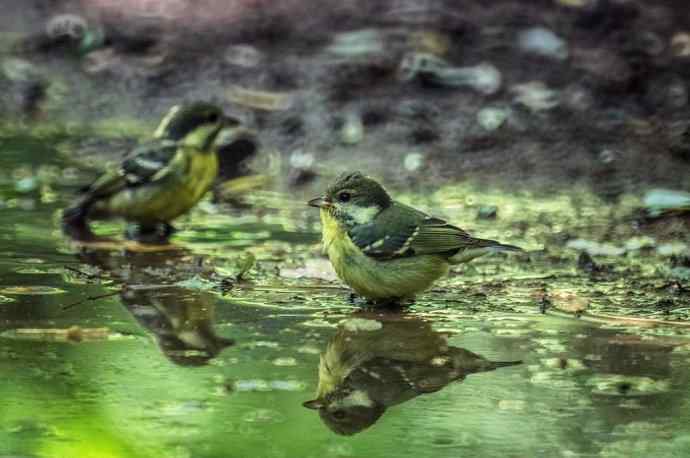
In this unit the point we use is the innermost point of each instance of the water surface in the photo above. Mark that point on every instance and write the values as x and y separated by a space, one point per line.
115 351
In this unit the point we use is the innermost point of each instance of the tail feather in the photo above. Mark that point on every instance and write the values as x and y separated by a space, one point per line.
497 364
481 248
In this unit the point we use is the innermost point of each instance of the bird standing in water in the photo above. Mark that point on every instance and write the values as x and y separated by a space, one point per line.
387 251
160 180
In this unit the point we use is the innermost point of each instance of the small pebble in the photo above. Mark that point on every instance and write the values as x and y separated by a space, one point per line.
18 70
536 96
491 118
595 248
357 43
543 42
301 160
487 212
66 25
484 78
680 44
413 161
576 3
245 56
352 131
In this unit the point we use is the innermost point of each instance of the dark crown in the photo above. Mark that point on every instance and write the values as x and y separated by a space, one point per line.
366 188
189 117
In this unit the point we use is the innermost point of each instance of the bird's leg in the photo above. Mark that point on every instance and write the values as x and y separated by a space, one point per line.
78 230
167 229
391 304
154 234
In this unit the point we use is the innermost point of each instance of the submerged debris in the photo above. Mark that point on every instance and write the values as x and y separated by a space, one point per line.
72 334
31 290
621 385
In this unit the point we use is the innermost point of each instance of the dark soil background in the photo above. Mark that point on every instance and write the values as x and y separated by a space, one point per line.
616 116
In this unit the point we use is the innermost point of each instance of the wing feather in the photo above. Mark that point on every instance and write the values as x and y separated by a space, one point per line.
139 167
400 231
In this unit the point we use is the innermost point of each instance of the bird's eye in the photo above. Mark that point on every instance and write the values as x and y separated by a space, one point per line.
339 414
213 117
344 196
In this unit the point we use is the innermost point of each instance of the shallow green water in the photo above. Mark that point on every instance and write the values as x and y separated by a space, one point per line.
112 352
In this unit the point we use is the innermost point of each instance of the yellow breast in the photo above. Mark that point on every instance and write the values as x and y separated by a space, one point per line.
173 194
378 279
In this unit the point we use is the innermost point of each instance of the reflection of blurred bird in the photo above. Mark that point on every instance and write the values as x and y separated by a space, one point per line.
370 365
386 250
160 180
180 318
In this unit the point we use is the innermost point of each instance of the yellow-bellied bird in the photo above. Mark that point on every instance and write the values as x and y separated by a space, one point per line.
160 179
387 251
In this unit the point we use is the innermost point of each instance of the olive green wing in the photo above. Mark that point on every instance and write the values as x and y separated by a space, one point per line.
388 235
401 231
138 168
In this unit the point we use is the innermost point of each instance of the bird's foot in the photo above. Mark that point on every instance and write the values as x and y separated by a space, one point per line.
78 231
394 304
154 234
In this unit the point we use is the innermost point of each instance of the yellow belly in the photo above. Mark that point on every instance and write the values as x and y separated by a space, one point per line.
169 198
378 279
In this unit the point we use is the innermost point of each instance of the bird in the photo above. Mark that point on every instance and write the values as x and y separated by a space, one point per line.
378 361
159 180
384 250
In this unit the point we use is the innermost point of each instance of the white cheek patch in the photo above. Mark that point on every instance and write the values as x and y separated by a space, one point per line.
363 215
357 398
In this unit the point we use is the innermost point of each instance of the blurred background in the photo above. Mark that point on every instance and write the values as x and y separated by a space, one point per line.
539 93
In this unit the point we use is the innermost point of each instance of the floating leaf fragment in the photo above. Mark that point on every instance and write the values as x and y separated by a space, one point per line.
625 385
31 290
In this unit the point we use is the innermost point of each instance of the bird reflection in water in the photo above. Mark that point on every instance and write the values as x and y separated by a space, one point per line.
378 361
181 319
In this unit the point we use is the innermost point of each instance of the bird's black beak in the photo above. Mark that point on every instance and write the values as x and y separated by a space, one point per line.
320 202
231 133
229 121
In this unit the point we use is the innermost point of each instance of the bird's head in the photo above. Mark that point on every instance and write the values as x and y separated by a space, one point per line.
347 412
353 199
196 124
